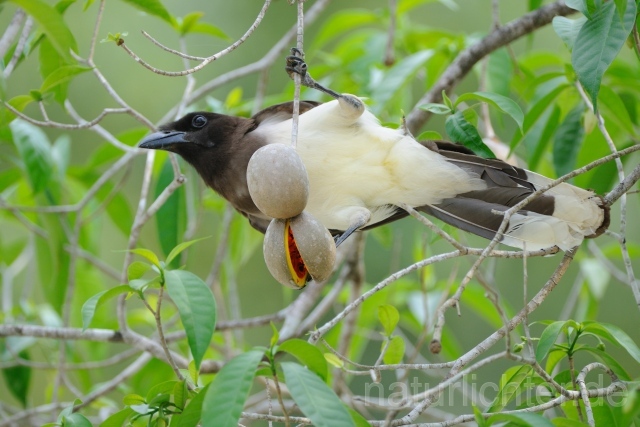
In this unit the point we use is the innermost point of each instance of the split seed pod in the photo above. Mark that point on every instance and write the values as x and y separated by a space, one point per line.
278 181
299 249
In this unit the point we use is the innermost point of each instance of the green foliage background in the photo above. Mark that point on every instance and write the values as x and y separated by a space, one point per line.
43 167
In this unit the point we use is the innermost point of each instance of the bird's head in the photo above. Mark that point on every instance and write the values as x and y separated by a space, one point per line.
214 144
192 134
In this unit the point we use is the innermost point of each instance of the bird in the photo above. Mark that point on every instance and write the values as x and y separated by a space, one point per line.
360 173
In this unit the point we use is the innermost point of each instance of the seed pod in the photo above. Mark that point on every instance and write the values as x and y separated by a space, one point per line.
278 181
299 249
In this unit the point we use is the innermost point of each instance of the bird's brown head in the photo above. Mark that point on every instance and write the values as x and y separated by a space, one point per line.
214 144
192 135
203 139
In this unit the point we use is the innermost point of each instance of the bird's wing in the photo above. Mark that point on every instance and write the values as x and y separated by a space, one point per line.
562 216
281 112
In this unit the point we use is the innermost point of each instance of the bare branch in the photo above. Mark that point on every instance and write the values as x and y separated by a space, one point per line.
465 61
26 30
11 31
207 60
57 125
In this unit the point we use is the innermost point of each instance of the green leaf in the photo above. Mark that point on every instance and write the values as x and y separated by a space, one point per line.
149 255
152 7
192 413
17 379
499 72
621 7
275 336
170 218
180 393
566 422
118 419
188 21
540 135
309 355
389 318
197 308
358 420
35 150
536 111
19 102
580 6
76 420
397 77
613 106
598 43
163 388
223 402
615 335
340 22
137 269
52 25
511 382
395 351
133 399
460 130
211 30
60 154
435 108
522 419
539 107
568 29
334 360
181 247
609 361
428 135
60 76
314 398
91 305
548 339
478 417
567 141
596 275
502 103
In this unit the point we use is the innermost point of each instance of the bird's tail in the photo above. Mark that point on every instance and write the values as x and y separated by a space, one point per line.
563 216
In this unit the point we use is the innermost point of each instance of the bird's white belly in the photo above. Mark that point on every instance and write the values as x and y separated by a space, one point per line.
365 165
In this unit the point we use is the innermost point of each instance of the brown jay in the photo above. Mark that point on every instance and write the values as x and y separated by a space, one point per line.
360 171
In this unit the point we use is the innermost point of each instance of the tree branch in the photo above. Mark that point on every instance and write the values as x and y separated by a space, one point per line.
465 61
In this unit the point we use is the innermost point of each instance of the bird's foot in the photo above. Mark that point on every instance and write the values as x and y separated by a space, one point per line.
295 65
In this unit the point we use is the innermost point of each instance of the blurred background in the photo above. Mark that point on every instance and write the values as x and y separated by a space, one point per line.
346 54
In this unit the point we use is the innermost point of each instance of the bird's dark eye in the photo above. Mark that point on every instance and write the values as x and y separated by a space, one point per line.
199 121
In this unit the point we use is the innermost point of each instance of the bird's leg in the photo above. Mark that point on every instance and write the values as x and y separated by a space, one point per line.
358 220
352 106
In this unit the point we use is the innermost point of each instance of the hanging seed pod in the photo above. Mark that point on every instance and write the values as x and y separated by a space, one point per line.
278 181
299 249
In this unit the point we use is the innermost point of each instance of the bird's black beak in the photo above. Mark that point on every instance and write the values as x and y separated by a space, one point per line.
164 140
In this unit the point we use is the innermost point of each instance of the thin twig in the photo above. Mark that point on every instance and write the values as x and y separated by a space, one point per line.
11 31
96 29
206 60
297 79
465 61
22 41
635 283
57 125
274 54
163 342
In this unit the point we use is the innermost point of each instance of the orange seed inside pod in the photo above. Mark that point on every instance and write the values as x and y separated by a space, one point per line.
298 270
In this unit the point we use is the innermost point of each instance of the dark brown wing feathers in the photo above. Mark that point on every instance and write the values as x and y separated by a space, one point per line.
507 185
